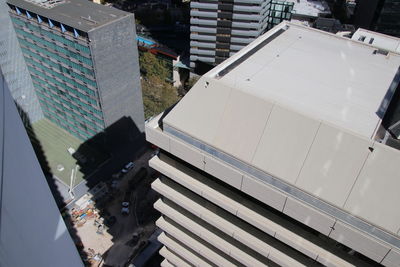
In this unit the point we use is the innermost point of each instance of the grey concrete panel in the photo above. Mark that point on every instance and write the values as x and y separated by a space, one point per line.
223 172
333 164
205 122
356 240
244 118
392 259
309 216
156 137
263 192
285 143
375 195
191 155
115 59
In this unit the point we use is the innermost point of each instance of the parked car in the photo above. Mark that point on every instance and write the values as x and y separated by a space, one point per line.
128 167
125 210
126 203
127 199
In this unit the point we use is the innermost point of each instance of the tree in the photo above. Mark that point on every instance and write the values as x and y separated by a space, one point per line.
192 81
151 66
158 94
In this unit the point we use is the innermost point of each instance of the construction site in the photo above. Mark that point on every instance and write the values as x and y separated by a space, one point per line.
107 231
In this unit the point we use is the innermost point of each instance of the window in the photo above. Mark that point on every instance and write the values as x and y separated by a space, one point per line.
361 38
371 40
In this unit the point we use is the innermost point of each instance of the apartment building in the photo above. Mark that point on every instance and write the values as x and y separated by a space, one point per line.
274 157
83 61
218 29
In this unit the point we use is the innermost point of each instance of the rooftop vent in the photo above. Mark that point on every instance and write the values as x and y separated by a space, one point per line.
381 52
46 3
89 18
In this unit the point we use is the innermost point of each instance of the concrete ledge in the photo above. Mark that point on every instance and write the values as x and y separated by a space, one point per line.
392 259
166 263
198 246
309 216
188 154
359 241
173 258
263 192
181 251
223 172
157 137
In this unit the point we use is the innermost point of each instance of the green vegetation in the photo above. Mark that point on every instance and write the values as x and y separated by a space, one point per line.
158 94
51 144
192 81
151 66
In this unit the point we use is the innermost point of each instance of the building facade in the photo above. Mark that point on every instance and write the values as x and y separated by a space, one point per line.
15 71
270 160
83 61
220 29
32 231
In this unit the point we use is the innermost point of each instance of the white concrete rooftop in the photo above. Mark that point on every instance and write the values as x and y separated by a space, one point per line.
327 77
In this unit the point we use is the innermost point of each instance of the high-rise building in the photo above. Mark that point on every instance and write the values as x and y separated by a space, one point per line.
220 29
378 15
83 61
275 157
32 231
15 71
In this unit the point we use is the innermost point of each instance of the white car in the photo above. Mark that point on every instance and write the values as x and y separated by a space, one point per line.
128 167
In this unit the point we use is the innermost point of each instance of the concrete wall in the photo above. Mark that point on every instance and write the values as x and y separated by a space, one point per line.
32 231
115 58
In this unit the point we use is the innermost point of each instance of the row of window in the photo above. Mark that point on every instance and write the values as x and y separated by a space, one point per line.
61 77
69 127
59 67
53 36
55 56
66 111
68 89
74 96
90 109
55 47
